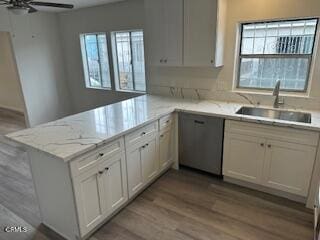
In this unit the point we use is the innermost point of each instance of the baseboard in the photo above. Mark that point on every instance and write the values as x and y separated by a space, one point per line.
271 191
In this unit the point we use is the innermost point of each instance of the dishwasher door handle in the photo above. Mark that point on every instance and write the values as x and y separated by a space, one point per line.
199 122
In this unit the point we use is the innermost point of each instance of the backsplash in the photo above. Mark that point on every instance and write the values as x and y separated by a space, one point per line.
206 83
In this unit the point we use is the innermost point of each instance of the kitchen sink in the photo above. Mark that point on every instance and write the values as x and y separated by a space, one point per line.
276 114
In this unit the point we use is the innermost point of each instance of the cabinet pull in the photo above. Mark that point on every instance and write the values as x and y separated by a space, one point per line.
161 61
165 60
143 133
100 172
167 121
161 135
106 168
147 144
262 144
198 122
101 154
269 145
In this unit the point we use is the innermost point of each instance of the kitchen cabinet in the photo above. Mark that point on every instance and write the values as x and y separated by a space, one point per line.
142 158
150 159
114 183
166 144
203 32
185 32
100 191
87 190
243 157
164 31
274 157
288 166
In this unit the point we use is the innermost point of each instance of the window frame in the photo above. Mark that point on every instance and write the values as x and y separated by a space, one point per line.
310 57
84 55
115 61
112 60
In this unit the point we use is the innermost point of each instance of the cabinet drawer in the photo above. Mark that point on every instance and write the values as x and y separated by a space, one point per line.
90 159
141 133
166 121
284 134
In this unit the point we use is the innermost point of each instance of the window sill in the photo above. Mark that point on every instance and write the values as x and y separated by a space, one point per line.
116 90
99 88
269 93
130 91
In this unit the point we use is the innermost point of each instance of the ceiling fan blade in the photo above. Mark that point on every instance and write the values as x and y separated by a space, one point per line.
49 4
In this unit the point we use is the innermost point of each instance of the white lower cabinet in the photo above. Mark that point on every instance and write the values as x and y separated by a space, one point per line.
252 153
288 166
87 190
243 157
100 191
114 183
166 145
150 159
142 163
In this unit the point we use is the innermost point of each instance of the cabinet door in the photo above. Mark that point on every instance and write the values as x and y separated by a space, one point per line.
155 31
288 167
243 157
87 188
173 32
150 160
114 183
134 169
200 19
166 146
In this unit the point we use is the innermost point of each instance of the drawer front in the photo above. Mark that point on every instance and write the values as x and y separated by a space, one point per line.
284 134
141 133
89 160
166 121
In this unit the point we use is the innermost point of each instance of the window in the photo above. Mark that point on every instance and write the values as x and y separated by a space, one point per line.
129 60
95 60
277 50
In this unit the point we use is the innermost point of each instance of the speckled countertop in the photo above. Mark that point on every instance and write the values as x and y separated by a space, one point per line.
71 136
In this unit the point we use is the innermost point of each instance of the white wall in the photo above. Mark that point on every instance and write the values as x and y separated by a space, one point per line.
216 83
115 16
38 53
10 89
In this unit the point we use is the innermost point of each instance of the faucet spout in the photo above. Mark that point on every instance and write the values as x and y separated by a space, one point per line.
276 91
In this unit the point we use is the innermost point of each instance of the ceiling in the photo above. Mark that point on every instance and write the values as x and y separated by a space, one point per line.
77 4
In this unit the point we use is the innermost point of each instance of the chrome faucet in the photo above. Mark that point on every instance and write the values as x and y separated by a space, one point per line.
278 100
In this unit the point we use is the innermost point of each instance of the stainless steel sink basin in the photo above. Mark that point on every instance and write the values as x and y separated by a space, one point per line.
276 114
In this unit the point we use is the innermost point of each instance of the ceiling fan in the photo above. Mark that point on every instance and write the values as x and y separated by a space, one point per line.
20 7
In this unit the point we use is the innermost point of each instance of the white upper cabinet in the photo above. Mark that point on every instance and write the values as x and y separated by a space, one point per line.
185 32
200 32
164 31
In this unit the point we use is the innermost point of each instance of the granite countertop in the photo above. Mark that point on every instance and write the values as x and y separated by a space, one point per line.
71 136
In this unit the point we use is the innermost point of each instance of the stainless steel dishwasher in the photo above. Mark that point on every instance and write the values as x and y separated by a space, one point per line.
201 142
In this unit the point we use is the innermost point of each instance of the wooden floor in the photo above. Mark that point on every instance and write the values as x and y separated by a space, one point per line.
11 121
187 205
